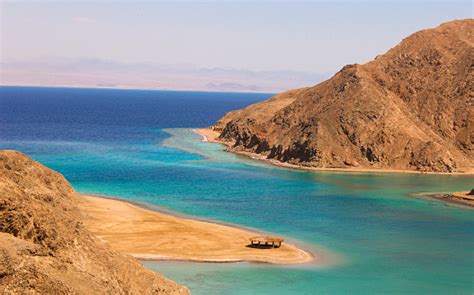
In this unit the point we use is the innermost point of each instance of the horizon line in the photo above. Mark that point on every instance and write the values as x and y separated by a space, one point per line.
139 89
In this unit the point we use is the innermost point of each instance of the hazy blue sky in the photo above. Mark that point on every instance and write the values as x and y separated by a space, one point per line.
304 36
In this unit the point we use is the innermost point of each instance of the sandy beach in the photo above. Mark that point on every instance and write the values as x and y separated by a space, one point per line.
151 235
210 135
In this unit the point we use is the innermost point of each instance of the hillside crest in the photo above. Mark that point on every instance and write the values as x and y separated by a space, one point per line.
409 109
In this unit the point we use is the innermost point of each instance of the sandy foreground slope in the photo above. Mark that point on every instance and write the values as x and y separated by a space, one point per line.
152 235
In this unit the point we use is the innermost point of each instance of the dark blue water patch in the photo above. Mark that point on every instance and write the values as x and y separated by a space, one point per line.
75 114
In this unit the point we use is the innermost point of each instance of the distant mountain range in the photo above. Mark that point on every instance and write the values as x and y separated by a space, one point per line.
108 74
409 109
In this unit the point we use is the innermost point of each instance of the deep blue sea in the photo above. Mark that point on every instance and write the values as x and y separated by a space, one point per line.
373 236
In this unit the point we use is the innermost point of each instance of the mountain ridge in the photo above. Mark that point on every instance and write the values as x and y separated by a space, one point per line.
408 109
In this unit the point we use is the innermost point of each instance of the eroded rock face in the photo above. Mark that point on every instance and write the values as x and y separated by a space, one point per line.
411 108
45 248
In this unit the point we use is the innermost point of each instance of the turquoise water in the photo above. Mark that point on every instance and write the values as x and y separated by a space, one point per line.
371 235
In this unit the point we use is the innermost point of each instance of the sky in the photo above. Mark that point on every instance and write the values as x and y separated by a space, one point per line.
311 37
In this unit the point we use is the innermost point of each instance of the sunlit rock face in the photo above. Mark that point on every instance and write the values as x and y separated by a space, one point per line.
409 109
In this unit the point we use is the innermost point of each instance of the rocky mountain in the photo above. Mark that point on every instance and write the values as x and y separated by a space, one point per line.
409 109
44 247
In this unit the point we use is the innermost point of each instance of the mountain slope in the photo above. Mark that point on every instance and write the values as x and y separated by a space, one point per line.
44 247
411 108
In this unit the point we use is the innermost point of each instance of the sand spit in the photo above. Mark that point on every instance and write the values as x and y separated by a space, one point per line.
458 198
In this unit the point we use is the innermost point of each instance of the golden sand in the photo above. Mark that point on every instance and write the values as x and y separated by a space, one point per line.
154 235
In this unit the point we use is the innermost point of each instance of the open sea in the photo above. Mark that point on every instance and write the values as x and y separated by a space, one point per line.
372 236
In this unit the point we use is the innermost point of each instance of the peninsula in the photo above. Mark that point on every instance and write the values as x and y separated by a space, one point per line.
458 198
151 235
409 110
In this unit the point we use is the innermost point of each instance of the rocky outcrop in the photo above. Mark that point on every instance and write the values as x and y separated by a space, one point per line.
411 109
44 247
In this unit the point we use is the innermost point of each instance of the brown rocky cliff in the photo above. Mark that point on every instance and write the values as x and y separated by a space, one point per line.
44 247
411 109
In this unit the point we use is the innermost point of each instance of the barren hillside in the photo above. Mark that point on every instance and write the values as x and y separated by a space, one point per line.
409 109
44 247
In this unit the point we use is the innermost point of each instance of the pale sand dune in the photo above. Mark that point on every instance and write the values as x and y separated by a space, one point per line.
152 235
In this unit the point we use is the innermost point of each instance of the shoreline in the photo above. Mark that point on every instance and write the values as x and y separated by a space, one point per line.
211 136
453 198
154 235
164 211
